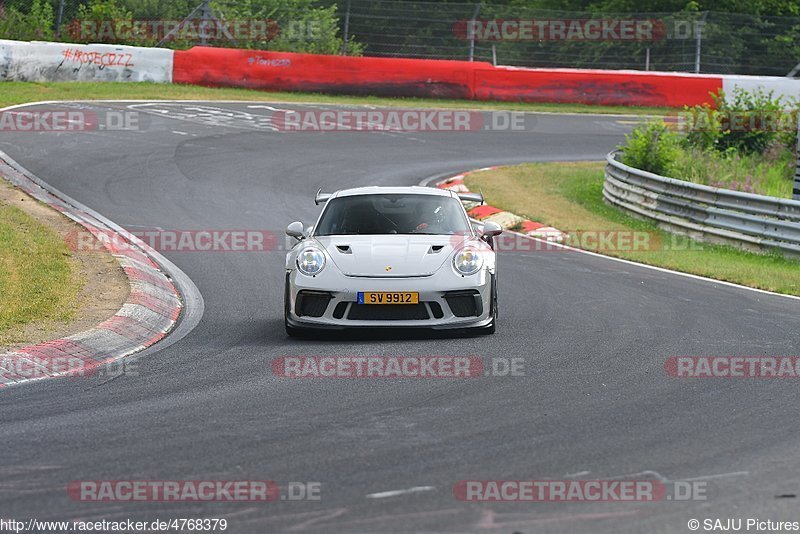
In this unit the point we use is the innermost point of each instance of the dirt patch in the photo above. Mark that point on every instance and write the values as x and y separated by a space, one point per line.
104 286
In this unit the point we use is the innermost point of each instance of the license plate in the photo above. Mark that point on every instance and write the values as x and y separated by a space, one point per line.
388 297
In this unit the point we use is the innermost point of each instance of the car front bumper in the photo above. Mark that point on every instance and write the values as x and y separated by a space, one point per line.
442 297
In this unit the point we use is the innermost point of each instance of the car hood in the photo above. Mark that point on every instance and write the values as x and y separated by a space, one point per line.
389 255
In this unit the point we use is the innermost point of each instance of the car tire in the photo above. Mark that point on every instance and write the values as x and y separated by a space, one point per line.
491 328
291 331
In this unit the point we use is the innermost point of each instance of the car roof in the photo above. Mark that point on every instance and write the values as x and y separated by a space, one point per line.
384 190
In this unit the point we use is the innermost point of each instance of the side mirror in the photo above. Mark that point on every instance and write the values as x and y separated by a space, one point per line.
295 230
491 229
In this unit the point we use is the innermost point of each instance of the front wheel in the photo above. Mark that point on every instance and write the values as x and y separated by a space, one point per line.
291 331
491 328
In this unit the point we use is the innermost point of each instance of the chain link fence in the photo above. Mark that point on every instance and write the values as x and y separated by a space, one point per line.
692 41
709 42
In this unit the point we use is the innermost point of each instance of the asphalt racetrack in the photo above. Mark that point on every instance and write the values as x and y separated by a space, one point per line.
594 401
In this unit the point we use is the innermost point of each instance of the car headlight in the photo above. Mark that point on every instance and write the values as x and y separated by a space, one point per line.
310 261
468 260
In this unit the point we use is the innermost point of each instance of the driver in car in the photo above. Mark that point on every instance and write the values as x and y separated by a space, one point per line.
431 217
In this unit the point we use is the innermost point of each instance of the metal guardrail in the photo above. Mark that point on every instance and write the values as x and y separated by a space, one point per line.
753 222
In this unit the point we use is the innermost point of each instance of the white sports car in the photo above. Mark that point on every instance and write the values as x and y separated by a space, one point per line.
392 257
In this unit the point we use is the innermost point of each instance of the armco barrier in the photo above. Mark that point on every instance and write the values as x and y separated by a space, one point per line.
753 222
65 62
283 71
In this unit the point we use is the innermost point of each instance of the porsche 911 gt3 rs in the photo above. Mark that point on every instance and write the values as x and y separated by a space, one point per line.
392 257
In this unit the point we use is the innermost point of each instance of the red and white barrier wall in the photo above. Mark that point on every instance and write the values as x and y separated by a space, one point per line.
65 62
283 71
788 88
603 87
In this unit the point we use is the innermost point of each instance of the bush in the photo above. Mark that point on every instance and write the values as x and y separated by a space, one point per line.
749 123
106 18
305 26
651 147
301 25
755 154
35 25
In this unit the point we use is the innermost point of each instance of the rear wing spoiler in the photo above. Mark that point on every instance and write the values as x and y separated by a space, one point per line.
322 197
472 197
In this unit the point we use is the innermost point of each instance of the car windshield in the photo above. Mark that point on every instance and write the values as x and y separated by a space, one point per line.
393 214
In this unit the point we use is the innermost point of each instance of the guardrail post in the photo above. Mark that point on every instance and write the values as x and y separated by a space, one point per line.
796 188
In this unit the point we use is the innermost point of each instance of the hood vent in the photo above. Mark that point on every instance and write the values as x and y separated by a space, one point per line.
435 249
344 249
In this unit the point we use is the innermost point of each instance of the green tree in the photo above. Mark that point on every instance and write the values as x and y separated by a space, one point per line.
303 26
102 21
35 25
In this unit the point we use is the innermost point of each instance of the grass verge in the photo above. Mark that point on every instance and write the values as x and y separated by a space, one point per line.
569 197
22 92
764 174
38 283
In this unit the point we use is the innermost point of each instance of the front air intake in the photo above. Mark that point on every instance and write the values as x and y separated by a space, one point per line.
466 303
312 303
388 312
